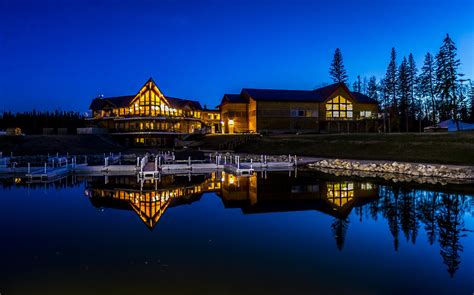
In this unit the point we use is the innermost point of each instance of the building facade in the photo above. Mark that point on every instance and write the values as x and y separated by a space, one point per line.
151 118
329 109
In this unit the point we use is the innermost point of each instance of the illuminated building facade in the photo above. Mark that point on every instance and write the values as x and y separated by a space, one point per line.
332 108
151 118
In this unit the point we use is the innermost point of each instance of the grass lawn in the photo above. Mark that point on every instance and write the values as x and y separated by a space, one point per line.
449 148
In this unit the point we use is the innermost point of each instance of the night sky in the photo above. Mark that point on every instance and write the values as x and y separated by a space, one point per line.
62 54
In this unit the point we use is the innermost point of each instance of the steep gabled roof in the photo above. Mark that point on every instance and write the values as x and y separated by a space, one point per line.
116 101
125 101
281 95
180 102
362 98
316 95
234 98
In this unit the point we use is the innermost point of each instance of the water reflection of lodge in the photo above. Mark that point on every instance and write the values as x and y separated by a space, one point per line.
280 193
254 194
150 198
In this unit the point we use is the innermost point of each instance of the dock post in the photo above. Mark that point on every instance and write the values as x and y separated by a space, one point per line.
52 163
251 163
210 158
156 164
296 161
45 168
138 161
29 168
189 161
237 158
159 161
225 160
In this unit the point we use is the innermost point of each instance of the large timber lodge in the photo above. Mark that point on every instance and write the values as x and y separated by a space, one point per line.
151 118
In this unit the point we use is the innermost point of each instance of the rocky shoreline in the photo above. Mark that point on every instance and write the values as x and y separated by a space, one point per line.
400 171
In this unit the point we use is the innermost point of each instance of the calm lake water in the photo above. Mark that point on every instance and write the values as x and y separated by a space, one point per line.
277 233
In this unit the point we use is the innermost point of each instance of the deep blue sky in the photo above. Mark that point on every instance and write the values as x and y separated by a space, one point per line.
61 54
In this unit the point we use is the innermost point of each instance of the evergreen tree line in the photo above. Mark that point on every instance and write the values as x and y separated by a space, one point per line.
34 122
411 98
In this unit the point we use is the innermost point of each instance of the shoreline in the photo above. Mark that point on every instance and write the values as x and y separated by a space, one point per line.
384 169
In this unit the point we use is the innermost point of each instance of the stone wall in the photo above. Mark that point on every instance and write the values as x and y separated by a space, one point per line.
411 169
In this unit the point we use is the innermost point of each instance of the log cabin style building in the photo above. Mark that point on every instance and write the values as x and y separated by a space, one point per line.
329 109
151 118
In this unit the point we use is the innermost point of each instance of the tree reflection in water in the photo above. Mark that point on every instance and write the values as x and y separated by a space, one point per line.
405 208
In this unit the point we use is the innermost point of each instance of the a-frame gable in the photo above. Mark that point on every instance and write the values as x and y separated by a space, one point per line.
343 91
150 86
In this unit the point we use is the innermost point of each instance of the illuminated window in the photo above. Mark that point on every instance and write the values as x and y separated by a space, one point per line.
365 114
339 108
339 193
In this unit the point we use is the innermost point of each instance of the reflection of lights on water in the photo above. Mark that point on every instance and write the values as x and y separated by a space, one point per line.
17 180
231 179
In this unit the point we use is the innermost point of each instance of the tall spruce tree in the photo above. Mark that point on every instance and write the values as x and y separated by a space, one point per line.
446 79
337 70
364 86
471 100
357 86
390 84
404 92
412 75
426 86
372 89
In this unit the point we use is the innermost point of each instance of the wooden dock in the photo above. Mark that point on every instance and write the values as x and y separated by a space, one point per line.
148 166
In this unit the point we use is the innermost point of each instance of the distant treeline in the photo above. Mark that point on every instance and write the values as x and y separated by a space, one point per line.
34 122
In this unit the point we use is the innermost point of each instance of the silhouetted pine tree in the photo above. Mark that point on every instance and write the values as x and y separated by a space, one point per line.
463 102
357 86
428 207
404 92
339 229
426 87
337 70
390 85
372 88
446 79
415 107
364 86
471 99
451 227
